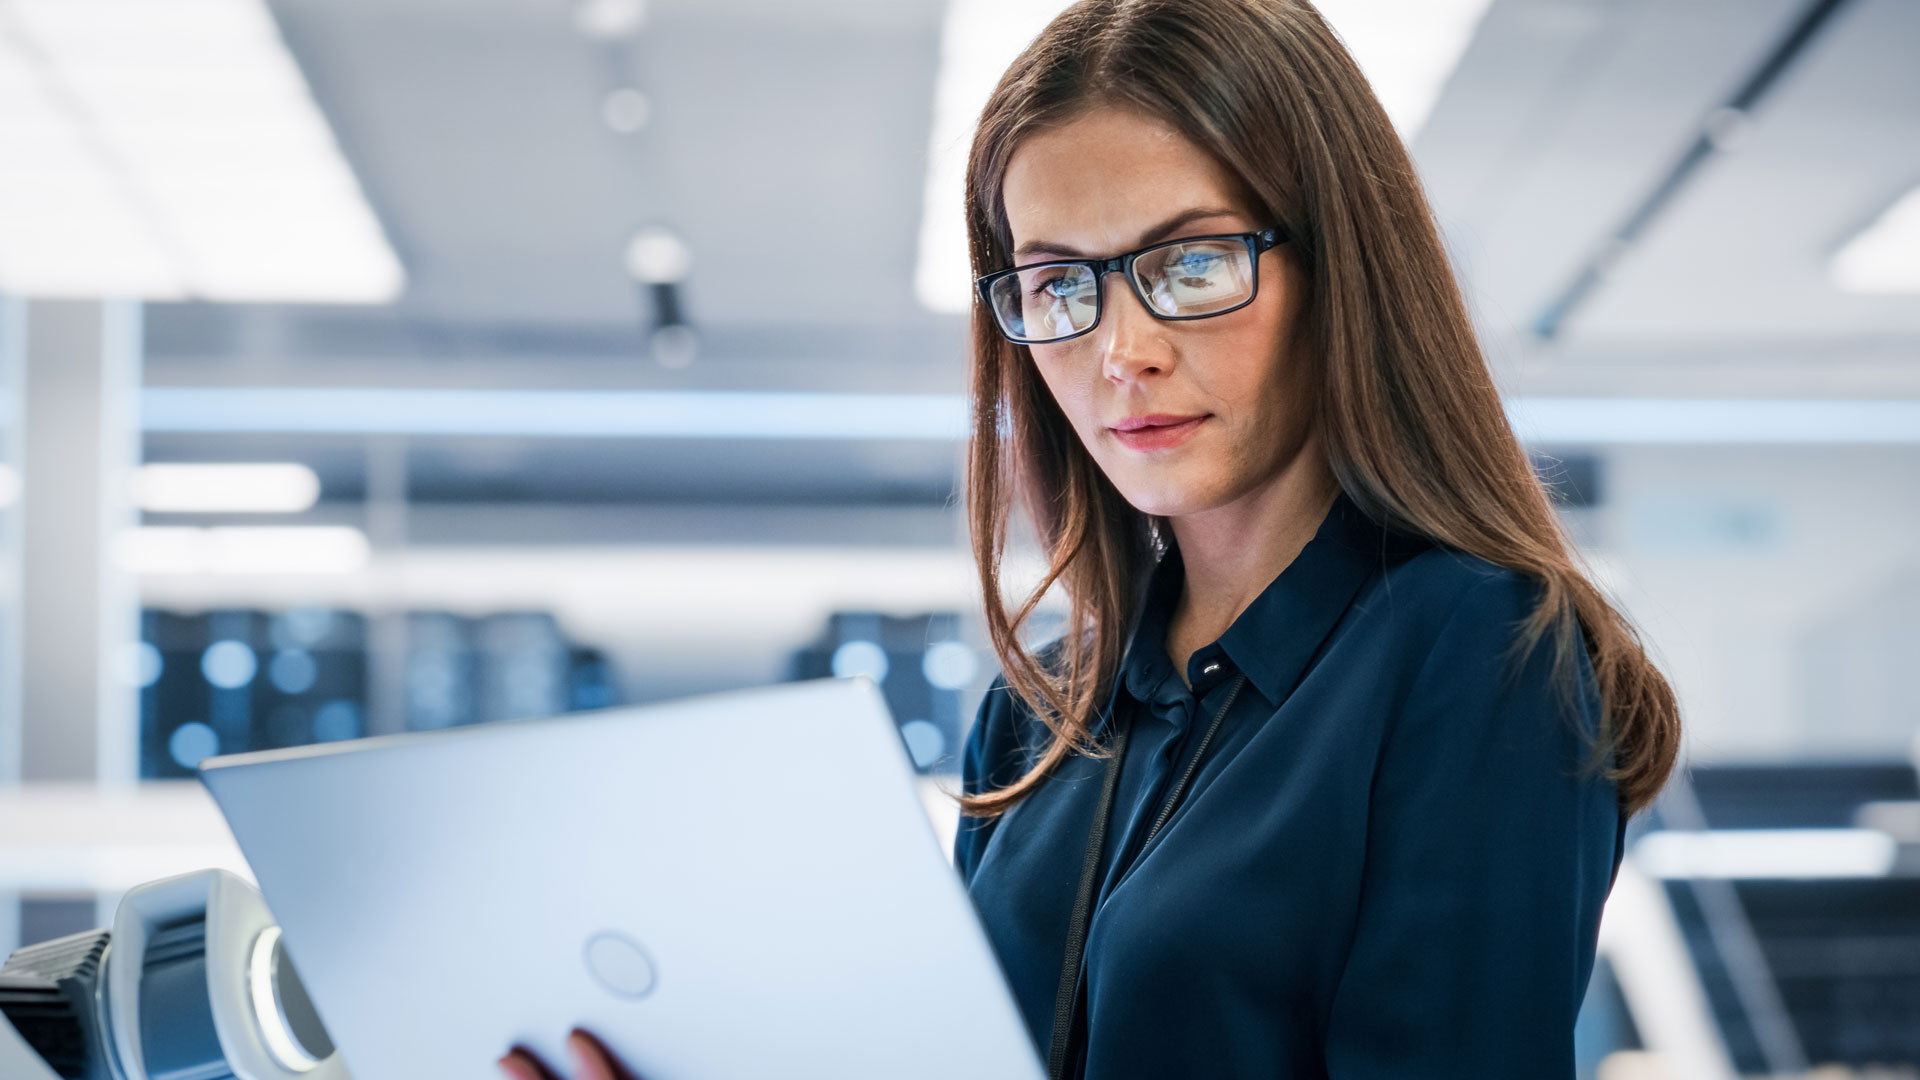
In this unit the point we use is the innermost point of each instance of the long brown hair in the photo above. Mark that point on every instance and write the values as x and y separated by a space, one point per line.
1409 415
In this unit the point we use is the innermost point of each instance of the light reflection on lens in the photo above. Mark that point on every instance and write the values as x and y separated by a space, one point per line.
1180 280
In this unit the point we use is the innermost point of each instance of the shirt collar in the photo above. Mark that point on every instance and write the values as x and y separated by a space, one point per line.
1147 666
1278 634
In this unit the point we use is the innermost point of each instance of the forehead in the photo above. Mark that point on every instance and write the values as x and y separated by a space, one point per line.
1101 178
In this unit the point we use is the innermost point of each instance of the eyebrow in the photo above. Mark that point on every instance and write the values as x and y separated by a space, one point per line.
1151 236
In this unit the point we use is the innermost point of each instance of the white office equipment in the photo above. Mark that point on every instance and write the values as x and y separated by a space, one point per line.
735 886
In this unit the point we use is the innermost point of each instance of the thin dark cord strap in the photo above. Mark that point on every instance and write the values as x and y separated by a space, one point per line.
1066 1000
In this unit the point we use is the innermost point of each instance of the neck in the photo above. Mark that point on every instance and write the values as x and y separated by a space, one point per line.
1233 552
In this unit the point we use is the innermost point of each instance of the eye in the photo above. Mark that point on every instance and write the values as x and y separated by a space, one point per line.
1058 288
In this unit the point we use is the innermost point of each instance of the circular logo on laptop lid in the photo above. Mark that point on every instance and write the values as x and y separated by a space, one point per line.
620 965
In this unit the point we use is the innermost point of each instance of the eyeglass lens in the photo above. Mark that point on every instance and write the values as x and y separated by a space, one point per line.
1180 280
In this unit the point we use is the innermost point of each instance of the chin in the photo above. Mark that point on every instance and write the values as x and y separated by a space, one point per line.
1166 497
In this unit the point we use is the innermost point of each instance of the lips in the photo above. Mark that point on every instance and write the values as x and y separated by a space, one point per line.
1157 431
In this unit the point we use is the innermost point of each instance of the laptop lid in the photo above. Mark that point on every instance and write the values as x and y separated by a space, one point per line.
739 885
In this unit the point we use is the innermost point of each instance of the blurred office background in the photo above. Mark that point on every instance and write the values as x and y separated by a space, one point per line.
384 365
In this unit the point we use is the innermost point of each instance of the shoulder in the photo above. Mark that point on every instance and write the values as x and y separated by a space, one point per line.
1467 662
1000 748
1445 592
1006 737
1448 626
1446 576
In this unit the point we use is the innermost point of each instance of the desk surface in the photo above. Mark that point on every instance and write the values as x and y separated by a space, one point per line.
71 838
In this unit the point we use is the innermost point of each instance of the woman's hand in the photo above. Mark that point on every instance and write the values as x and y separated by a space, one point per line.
591 1058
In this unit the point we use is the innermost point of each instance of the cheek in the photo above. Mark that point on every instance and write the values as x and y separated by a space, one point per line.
1274 379
1071 392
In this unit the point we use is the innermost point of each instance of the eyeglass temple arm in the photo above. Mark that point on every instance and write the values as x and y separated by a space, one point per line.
1264 240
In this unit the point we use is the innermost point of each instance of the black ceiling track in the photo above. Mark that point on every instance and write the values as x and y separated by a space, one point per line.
1717 131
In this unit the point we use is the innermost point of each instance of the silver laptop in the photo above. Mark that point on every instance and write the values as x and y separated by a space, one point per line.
740 886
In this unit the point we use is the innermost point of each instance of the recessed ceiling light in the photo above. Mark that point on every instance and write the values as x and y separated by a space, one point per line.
626 110
657 256
1885 256
609 19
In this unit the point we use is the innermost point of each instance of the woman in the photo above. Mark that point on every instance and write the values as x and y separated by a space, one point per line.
1279 459
1329 775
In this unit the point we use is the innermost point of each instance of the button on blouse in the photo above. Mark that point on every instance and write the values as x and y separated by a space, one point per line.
1389 864
1169 721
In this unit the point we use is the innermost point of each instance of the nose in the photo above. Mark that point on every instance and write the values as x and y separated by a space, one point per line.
1133 344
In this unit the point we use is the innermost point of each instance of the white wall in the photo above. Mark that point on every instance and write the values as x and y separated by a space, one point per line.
1780 586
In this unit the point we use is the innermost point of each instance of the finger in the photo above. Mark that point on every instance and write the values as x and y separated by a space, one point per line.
596 1061
516 1067
590 1058
521 1063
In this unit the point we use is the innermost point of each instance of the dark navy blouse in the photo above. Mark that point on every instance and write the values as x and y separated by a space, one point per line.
1389 864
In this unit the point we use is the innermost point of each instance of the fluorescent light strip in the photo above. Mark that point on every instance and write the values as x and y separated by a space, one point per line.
173 150
68 226
1712 421
276 488
978 41
1885 256
1642 940
1408 49
242 549
1752 854
718 414
689 414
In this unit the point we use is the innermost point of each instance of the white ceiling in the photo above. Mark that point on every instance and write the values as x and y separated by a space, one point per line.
788 145
1837 145
1565 115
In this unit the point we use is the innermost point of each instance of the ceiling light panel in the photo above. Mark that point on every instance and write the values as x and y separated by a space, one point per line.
68 226
265 488
184 136
1758 854
978 41
1885 256
242 549
1407 48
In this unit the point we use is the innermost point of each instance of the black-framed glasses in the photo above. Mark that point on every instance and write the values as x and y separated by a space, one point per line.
1196 277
